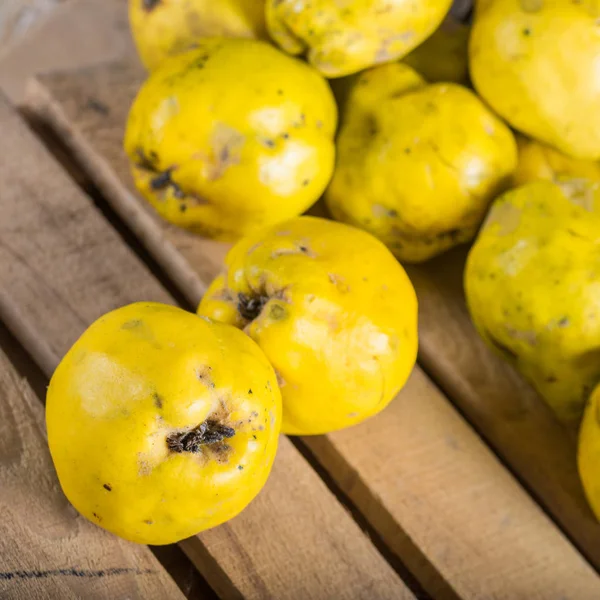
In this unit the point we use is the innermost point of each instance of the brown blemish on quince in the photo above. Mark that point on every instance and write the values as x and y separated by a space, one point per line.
281 382
532 6
525 336
219 452
300 249
579 192
203 374
254 247
158 401
150 5
224 294
226 144
384 54
339 283
506 216
144 467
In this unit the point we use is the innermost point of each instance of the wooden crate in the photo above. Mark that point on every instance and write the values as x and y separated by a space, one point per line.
464 487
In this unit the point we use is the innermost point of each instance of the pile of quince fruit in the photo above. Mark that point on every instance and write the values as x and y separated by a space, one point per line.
420 133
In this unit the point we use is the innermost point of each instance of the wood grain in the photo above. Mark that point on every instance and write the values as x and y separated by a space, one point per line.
46 549
423 478
445 490
78 33
18 17
61 266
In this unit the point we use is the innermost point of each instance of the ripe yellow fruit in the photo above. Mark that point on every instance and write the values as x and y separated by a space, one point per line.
443 57
341 38
536 64
162 424
538 161
232 137
417 165
162 28
588 455
532 287
334 312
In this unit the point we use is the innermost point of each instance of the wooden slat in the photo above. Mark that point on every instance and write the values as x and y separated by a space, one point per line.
17 17
62 266
431 488
46 549
78 33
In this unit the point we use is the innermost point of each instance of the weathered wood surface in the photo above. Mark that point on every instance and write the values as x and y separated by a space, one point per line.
61 266
76 33
19 17
46 549
423 478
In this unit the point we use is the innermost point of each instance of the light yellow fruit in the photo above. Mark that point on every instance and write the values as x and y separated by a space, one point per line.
533 289
588 456
536 64
417 164
334 312
538 161
161 28
232 137
443 57
341 38
162 424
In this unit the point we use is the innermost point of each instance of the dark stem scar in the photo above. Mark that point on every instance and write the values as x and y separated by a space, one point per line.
209 432
164 180
150 5
250 307
107 487
72 572
161 181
